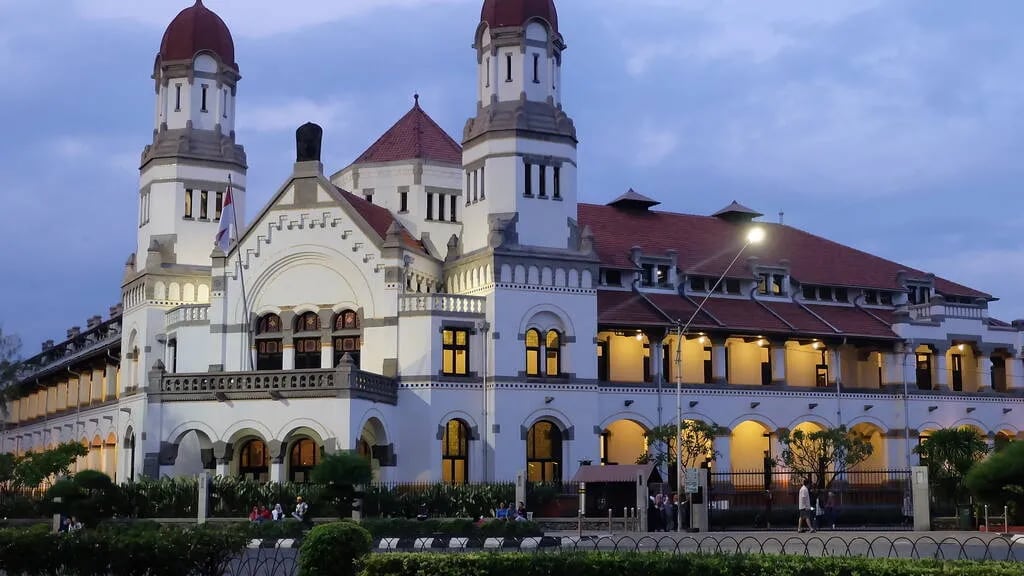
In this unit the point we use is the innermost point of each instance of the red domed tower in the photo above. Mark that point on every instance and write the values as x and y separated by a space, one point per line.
521 146
185 170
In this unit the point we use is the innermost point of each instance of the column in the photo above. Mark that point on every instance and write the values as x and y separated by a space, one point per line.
984 371
719 360
942 377
1013 373
110 382
657 356
288 357
276 451
721 445
327 354
778 352
835 367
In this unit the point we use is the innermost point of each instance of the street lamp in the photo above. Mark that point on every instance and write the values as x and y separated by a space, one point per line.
754 236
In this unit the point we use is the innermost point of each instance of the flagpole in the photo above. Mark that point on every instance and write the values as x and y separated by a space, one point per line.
247 348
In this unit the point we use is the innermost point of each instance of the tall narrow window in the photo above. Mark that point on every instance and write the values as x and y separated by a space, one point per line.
455 453
205 89
543 182
204 205
544 452
346 337
403 201
709 366
440 207
303 457
508 67
536 68
924 371
455 352
958 372
553 354
487 80
452 216
558 182
224 104
430 206
177 97
483 183
602 360
469 186
528 180
532 352
307 341
268 343
219 205
188 203
766 366
476 185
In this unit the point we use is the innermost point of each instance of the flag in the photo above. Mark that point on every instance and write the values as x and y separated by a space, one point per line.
227 230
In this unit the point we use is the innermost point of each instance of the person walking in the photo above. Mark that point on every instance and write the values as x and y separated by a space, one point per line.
804 504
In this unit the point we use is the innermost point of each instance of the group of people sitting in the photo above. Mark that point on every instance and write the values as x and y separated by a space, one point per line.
517 514
262 513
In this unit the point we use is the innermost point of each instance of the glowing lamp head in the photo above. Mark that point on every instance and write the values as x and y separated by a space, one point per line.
755 235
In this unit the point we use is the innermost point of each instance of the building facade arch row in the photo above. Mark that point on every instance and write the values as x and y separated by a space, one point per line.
460 415
304 308
370 415
344 305
540 317
245 429
761 419
179 432
877 423
974 423
302 427
702 417
824 423
633 416
930 425
1006 427
557 417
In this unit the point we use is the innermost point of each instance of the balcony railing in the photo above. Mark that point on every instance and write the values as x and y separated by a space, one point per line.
926 312
341 382
441 303
187 313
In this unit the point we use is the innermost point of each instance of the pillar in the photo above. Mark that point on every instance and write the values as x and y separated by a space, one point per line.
984 371
721 446
288 357
778 352
921 504
835 366
657 356
276 451
719 359
1013 372
110 382
327 355
942 376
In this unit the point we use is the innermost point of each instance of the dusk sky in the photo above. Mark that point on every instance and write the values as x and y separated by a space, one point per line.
895 127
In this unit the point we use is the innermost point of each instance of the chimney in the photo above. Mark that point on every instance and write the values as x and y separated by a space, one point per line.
93 322
47 345
115 310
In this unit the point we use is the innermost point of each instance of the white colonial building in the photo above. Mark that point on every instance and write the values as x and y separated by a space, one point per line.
454 313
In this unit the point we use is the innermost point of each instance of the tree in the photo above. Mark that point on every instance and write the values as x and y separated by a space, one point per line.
340 474
824 454
999 480
10 350
697 443
949 455
33 468
90 496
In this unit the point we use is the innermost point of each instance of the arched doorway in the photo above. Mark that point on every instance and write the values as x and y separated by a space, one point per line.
623 442
371 438
878 460
544 452
750 444
254 460
303 456
455 452
129 454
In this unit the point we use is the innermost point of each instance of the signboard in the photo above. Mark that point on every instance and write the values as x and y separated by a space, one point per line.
690 480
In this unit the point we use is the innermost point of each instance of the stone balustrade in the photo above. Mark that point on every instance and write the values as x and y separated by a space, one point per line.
936 311
187 313
442 303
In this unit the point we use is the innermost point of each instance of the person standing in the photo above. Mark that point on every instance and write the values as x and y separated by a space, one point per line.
804 503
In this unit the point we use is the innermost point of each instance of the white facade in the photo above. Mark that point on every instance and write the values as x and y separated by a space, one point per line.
438 330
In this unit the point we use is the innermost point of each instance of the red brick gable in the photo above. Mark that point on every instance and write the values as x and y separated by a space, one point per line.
414 137
706 245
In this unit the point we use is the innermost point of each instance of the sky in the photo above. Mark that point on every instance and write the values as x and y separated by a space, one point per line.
893 127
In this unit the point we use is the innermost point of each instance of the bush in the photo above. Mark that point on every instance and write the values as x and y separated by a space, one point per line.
121 551
999 480
89 495
461 528
661 564
442 500
334 549
276 530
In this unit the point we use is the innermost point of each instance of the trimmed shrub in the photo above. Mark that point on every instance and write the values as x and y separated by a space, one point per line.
662 564
334 549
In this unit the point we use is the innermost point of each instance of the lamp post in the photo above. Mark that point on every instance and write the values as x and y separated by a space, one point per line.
754 236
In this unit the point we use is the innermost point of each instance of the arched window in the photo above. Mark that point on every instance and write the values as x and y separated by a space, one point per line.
268 343
532 352
455 453
307 348
346 336
544 452
303 457
254 461
553 353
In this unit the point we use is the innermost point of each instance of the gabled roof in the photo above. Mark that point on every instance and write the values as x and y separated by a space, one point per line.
707 244
380 219
414 137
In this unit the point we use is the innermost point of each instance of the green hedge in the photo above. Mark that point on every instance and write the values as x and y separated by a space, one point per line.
660 564
334 549
401 528
142 550
441 500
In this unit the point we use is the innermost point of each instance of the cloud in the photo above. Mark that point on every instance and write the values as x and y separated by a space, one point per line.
653 145
250 18
289 115
108 152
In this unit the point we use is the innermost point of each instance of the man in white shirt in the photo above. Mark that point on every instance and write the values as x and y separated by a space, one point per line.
804 502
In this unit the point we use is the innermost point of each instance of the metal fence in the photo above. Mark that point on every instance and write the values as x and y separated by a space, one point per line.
271 560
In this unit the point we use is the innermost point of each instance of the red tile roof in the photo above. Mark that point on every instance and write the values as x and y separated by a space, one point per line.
414 137
851 321
196 29
501 13
379 218
706 245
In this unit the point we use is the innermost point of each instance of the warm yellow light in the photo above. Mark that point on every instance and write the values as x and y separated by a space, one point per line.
761 342
961 347
755 235
639 335
702 340
816 345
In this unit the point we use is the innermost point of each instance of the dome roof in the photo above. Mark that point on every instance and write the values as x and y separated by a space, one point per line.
501 13
196 29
